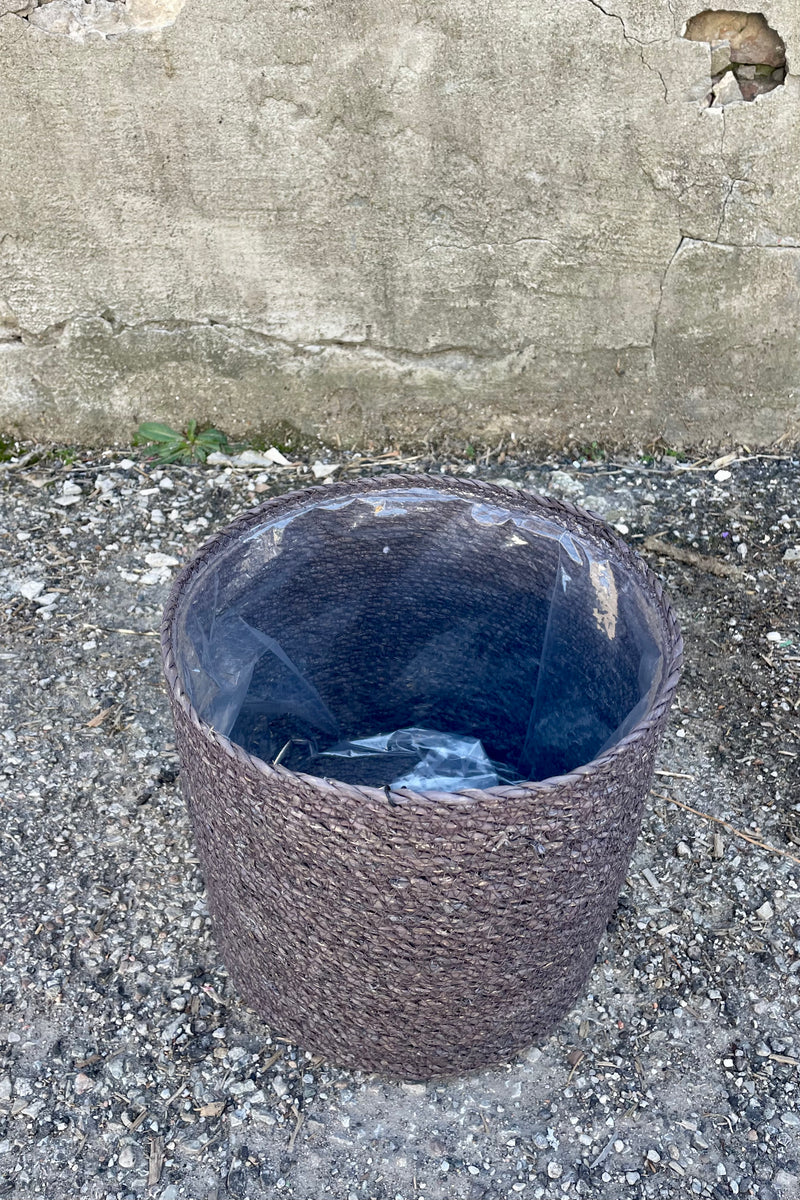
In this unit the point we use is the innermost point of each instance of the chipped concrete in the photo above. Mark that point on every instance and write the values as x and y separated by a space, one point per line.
83 19
396 222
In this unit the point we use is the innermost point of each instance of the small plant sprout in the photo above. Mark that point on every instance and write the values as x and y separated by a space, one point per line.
186 447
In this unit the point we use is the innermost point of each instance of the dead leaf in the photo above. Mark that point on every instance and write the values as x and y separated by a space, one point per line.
214 1109
98 718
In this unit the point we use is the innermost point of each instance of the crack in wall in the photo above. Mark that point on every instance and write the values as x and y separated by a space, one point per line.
639 43
687 240
725 202
660 302
402 356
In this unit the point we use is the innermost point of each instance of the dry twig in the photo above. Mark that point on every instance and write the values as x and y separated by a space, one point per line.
692 559
747 837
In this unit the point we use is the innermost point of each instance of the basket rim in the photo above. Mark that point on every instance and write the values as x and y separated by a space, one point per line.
589 523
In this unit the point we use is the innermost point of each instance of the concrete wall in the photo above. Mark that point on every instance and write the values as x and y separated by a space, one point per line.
394 219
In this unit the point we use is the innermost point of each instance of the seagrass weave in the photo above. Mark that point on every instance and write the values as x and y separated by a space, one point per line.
412 934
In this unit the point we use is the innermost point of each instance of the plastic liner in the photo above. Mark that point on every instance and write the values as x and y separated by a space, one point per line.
497 645
434 761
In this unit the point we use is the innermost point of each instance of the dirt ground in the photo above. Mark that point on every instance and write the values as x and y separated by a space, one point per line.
129 1066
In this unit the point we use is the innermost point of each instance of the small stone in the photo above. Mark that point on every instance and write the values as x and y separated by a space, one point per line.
765 912
727 91
746 71
166 484
774 636
66 501
170 1192
71 489
554 1170
126 1157
279 1086
683 850
251 458
30 588
564 485
792 554
791 1119
322 470
722 476
619 1146
5 1087
787 1183
720 57
653 1156
83 1083
632 1177
160 560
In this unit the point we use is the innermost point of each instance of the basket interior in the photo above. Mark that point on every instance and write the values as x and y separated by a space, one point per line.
413 607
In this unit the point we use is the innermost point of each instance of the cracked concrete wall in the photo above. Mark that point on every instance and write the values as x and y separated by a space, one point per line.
391 221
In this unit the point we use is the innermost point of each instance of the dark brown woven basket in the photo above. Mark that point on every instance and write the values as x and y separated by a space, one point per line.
406 933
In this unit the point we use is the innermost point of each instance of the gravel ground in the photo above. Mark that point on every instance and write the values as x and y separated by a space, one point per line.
130 1068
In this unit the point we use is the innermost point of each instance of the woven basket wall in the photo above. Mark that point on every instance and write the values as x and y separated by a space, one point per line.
410 934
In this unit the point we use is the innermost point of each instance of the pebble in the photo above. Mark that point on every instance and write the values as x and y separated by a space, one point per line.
554 1170
161 560
565 485
322 470
766 912
31 588
5 1087
653 1156
791 1119
632 1177
279 1086
83 1083
126 1157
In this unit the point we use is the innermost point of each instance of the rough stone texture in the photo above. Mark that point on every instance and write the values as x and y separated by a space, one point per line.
750 38
393 221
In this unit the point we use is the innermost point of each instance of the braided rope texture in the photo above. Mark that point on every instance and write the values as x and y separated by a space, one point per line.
413 934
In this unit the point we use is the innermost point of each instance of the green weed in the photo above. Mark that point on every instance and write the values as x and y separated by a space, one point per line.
174 447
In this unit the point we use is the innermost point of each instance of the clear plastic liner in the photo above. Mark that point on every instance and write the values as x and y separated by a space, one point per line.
496 645
440 762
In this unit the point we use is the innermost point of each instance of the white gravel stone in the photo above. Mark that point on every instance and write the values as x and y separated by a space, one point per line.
127 1158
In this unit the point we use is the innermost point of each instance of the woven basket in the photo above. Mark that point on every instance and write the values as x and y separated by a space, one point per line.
413 934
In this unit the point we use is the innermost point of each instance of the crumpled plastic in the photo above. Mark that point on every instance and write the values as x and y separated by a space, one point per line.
437 762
